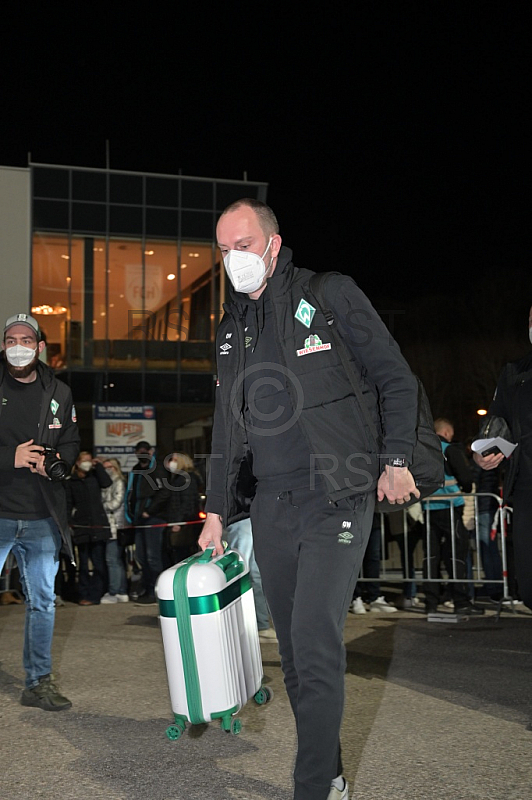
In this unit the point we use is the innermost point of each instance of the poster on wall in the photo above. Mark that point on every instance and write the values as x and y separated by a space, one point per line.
117 429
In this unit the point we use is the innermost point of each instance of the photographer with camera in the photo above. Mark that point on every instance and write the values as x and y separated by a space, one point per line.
36 412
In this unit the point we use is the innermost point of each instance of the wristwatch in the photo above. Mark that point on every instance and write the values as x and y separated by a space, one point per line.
398 462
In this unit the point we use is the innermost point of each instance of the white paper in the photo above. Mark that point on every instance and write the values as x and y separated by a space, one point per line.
485 444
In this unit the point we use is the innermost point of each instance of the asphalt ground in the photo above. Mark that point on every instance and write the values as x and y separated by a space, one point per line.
433 710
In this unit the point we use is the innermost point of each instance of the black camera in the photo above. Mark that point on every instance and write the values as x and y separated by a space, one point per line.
56 468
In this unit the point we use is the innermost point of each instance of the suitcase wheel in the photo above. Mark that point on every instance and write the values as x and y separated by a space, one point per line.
236 726
174 732
264 695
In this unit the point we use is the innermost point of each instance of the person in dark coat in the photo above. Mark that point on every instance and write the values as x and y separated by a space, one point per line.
90 525
513 402
147 495
184 506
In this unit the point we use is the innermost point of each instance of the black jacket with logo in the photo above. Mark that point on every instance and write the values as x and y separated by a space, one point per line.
333 430
58 429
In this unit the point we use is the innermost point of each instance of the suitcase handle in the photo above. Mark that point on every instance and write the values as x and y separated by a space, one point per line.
229 563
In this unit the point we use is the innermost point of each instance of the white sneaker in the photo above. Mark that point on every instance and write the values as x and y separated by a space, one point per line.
358 606
380 605
267 635
109 598
122 598
339 794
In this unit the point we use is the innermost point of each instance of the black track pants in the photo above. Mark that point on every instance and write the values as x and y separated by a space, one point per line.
309 553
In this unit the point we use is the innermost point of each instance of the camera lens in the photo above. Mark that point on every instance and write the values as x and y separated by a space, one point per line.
55 468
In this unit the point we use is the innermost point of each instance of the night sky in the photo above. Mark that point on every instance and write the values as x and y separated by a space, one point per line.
392 135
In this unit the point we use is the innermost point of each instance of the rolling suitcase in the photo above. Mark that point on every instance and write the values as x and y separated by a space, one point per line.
210 640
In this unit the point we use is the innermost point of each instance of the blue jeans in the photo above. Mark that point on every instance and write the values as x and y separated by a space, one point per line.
149 552
240 537
35 544
114 556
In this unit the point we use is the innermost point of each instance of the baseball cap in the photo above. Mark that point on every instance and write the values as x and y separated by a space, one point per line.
142 446
23 319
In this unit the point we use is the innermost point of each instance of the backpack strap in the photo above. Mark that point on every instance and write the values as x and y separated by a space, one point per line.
316 286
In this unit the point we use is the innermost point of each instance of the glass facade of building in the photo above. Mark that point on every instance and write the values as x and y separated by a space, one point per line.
126 280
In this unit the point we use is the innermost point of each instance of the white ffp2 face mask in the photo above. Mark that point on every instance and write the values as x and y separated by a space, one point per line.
246 270
20 356
530 335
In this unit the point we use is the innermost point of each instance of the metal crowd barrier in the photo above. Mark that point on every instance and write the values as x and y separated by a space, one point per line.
498 533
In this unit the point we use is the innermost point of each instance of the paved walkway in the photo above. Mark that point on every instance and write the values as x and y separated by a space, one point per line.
433 711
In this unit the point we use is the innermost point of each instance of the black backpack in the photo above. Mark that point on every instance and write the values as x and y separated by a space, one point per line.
428 461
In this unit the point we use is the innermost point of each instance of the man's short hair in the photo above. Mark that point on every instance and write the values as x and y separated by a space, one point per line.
23 319
267 219
442 422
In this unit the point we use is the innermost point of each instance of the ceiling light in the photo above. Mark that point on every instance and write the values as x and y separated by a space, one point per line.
183 266
193 255
149 252
47 310
170 277
67 258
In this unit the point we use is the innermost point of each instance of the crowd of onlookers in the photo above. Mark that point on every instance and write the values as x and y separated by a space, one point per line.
471 538
128 529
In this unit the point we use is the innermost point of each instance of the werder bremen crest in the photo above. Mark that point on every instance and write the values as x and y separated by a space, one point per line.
305 313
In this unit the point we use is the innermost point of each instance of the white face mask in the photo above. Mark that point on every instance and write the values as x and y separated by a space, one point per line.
530 335
20 356
246 270
85 466
110 471
172 466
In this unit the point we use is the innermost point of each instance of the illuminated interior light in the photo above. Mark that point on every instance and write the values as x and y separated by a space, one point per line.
149 252
67 258
193 255
482 412
47 310
183 266
170 277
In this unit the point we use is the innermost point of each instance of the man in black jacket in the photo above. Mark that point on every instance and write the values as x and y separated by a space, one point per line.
445 542
36 409
290 449
513 402
147 495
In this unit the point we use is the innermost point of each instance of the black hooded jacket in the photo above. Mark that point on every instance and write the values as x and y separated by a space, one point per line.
513 402
331 430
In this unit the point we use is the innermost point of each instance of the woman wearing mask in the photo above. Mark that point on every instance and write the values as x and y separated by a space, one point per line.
184 506
89 524
113 503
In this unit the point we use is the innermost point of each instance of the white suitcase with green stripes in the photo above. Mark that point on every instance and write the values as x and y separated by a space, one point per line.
210 640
